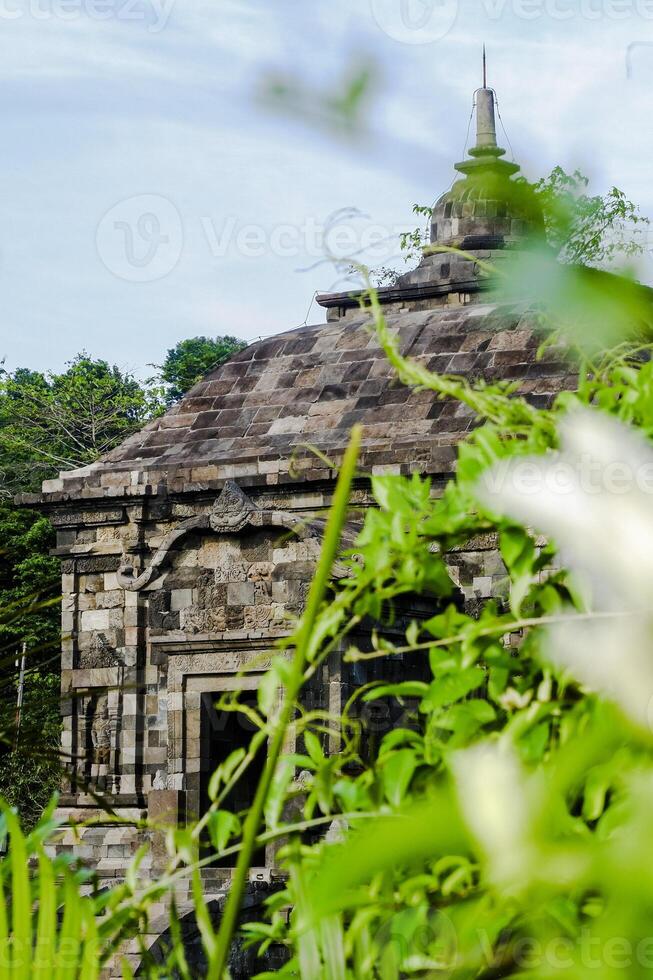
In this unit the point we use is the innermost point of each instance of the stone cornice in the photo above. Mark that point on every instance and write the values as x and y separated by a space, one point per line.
395 294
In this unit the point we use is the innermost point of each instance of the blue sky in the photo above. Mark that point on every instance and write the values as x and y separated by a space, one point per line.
150 194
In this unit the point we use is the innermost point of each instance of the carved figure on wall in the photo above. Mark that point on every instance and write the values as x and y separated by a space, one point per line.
232 511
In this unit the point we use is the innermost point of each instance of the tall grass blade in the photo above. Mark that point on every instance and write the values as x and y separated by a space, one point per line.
46 929
21 902
5 948
331 543
68 952
90 965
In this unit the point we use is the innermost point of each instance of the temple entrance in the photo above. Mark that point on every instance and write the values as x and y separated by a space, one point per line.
221 733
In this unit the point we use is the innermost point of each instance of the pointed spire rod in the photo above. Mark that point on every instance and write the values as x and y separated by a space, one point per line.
486 155
486 132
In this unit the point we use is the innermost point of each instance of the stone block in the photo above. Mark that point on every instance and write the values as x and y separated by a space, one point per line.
234 617
194 620
96 619
180 599
258 617
280 591
109 600
287 425
131 616
67 621
262 592
482 585
240 593
156 755
164 809
260 571
231 570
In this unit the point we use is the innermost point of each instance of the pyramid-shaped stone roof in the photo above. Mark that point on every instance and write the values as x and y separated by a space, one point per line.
261 415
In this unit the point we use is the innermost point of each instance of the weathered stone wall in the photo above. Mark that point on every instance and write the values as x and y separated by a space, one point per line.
218 601
220 596
144 648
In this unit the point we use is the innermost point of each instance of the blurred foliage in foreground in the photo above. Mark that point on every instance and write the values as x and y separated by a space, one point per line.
502 828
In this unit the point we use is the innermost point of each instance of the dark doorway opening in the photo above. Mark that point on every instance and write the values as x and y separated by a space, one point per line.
222 732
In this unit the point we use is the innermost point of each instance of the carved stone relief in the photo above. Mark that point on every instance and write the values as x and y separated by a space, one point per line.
101 653
231 512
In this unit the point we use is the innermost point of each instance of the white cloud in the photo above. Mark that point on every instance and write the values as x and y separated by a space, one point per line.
97 112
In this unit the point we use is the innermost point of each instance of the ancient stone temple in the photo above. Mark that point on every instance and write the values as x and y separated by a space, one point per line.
185 551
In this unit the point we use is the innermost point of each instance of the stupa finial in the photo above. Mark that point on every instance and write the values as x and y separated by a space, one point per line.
486 129
487 154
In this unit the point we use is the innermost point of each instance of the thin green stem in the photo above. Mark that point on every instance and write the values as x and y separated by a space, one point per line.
498 629
333 531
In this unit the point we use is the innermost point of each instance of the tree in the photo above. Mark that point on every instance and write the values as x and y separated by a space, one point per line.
30 763
29 577
191 359
48 422
588 229
52 422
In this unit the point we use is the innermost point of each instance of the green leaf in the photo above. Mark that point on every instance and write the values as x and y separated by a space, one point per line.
69 949
405 689
464 720
276 798
597 784
397 771
498 681
399 737
204 924
267 693
222 826
453 687
313 747
21 904
224 772
90 965
420 832
533 745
